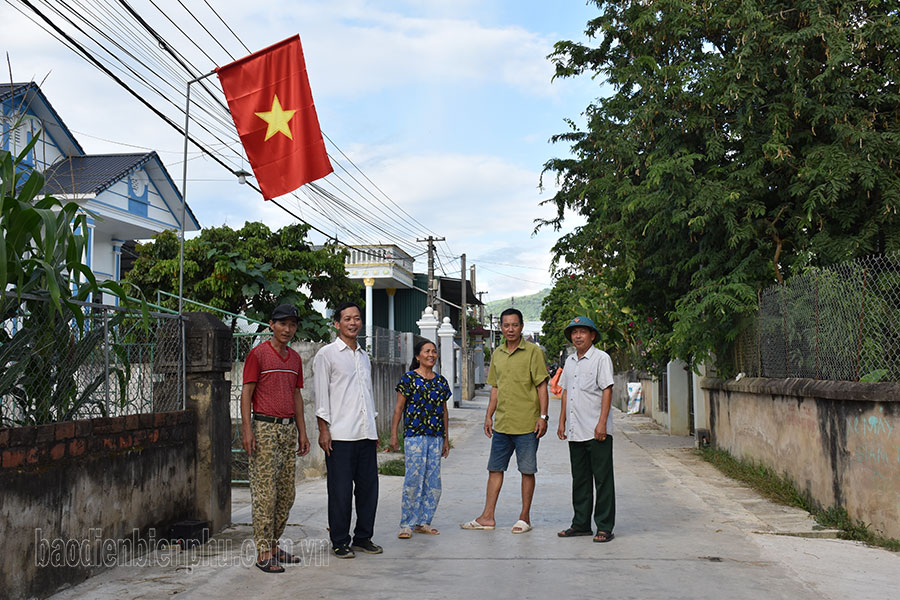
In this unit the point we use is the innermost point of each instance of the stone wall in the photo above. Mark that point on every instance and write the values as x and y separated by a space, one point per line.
839 442
68 489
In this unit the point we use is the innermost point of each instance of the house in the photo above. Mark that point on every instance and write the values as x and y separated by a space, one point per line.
126 196
395 295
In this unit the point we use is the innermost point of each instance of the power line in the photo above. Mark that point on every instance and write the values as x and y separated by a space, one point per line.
132 52
544 283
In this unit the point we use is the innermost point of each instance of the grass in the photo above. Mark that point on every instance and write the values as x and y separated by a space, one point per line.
782 490
384 441
395 466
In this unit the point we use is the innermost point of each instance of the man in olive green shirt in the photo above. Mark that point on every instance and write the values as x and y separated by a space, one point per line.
516 417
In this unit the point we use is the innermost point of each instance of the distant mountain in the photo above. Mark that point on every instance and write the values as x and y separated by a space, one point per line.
529 305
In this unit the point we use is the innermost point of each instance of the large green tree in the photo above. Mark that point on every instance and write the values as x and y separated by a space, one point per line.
248 271
741 142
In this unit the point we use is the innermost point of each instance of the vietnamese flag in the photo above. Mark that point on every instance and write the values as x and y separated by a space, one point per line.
272 107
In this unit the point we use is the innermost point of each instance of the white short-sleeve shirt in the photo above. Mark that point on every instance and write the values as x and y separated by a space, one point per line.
584 380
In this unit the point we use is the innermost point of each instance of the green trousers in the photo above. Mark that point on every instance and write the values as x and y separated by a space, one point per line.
592 467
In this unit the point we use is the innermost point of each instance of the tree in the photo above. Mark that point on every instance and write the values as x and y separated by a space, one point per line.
248 271
743 142
629 341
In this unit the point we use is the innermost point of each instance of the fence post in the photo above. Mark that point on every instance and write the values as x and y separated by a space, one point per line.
448 354
862 314
208 358
106 356
428 325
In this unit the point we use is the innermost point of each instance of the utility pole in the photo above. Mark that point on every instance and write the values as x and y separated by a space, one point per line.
480 309
431 240
491 329
463 326
474 291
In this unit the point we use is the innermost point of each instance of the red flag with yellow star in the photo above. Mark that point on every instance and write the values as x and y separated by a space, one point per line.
272 107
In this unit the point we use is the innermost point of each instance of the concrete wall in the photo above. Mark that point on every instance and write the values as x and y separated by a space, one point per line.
838 441
650 391
313 464
620 391
384 383
679 405
83 483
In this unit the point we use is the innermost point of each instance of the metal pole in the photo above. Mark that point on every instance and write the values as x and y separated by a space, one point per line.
463 327
187 117
106 356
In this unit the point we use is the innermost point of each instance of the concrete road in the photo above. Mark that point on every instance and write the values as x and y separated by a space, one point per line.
683 531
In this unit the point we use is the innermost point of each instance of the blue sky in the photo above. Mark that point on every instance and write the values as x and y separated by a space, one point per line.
447 105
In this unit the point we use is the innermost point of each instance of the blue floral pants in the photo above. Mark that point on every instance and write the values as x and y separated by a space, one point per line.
422 485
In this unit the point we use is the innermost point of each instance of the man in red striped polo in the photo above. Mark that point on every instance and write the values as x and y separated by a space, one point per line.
273 376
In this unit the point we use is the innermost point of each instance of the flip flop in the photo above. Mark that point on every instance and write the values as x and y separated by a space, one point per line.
426 529
604 536
405 533
573 533
473 524
521 527
287 557
270 565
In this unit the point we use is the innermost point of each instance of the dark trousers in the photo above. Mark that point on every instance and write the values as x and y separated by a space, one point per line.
592 468
352 472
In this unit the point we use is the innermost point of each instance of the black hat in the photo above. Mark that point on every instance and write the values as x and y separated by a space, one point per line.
285 311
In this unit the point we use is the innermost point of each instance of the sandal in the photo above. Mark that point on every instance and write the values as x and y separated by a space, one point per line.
287 557
573 533
604 536
426 529
270 565
405 533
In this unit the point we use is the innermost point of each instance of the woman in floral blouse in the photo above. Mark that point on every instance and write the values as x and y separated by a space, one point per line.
422 401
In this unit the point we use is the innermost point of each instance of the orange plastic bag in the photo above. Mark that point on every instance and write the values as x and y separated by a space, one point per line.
555 388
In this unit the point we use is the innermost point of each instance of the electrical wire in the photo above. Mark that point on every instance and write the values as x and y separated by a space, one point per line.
543 283
115 38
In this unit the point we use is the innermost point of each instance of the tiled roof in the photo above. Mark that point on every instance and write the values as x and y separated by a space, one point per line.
11 89
44 110
91 174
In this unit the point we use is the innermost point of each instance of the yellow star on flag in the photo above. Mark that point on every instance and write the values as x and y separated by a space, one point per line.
277 118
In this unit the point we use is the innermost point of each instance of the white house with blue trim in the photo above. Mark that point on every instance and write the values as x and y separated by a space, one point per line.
127 196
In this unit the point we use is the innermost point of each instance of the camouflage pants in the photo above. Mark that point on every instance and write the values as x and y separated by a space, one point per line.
272 481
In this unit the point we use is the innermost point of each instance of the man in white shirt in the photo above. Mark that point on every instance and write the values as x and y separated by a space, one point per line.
586 421
345 412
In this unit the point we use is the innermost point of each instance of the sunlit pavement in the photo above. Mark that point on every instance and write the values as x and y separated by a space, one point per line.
683 531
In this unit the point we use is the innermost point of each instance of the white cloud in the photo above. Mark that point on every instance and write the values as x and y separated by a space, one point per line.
483 202
359 47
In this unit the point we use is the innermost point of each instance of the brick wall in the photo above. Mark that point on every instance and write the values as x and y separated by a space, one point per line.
76 480
37 446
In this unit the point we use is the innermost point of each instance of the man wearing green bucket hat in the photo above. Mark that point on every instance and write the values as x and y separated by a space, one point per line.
586 422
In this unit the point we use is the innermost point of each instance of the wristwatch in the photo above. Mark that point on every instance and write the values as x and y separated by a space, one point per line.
546 418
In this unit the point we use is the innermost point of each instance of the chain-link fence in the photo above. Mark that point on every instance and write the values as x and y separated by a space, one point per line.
112 363
838 323
387 345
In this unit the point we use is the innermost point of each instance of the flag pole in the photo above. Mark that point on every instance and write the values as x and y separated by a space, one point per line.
187 117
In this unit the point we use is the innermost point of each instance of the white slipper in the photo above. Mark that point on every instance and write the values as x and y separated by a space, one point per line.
521 527
473 524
